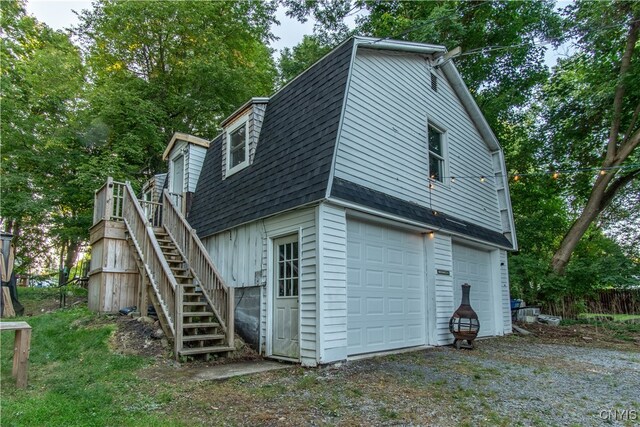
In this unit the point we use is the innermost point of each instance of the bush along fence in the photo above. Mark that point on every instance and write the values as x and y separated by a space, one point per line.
607 301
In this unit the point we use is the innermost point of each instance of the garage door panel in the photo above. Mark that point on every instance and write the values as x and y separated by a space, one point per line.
472 266
385 288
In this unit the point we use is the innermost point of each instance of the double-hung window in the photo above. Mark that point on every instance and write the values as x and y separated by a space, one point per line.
237 147
436 154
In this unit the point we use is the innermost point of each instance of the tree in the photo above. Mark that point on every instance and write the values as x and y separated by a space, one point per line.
161 67
592 104
42 83
305 54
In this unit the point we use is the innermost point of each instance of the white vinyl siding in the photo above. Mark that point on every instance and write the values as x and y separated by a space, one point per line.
505 294
383 141
240 254
193 160
332 266
441 244
194 166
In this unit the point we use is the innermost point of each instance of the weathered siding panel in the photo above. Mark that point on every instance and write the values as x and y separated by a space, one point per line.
383 143
113 276
332 259
240 255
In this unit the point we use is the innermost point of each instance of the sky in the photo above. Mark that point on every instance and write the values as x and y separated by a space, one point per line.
58 14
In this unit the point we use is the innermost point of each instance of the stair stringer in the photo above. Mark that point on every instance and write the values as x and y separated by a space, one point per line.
156 300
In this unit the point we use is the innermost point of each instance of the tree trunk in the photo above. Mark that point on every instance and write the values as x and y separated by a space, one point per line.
590 212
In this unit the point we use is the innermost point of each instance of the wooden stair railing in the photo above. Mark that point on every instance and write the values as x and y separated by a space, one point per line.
167 292
219 296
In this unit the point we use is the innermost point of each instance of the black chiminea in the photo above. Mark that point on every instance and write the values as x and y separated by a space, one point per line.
464 324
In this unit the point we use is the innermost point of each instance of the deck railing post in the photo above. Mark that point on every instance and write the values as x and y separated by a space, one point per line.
231 316
108 206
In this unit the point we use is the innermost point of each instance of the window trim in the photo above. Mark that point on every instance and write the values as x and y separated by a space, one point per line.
444 157
243 121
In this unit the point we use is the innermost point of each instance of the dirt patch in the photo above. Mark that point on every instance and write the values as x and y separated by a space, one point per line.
135 337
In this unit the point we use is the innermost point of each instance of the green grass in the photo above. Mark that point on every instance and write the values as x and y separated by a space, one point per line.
74 380
621 318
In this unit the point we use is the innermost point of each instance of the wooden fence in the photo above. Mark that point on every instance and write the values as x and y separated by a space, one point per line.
607 301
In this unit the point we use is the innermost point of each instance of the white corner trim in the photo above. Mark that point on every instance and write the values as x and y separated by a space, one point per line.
332 171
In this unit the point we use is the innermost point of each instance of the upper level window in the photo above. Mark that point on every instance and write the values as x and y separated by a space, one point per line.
436 154
237 146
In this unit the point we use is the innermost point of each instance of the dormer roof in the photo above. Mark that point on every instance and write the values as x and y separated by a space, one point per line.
183 137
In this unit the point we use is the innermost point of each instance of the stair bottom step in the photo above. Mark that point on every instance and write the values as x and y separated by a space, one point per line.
204 350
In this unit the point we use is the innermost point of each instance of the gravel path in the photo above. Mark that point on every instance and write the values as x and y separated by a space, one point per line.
528 383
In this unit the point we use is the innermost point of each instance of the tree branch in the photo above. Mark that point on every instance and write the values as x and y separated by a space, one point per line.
625 64
627 148
615 186
634 118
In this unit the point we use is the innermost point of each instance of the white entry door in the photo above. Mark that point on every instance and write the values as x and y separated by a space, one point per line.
473 266
286 286
177 185
385 288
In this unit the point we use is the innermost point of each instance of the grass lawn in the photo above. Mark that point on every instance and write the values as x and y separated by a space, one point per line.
74 380
622 318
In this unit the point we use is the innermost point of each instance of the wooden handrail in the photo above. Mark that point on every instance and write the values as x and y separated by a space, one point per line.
167 290
218 294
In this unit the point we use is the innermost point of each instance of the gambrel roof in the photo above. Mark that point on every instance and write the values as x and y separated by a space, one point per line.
293 156
293 159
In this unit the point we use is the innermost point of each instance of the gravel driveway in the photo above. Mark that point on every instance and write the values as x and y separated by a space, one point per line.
505 381
526 383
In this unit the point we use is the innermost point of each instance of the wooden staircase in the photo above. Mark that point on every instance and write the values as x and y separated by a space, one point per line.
194 305
201 332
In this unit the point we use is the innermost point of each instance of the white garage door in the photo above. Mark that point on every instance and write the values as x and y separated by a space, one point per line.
385 288
473 266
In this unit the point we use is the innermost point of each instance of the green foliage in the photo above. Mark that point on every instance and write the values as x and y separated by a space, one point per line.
42 84
501 80
294 61
71 117
162 67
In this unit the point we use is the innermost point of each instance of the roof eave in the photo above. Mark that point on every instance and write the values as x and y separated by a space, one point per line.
401 45
243 107
184 137
460 88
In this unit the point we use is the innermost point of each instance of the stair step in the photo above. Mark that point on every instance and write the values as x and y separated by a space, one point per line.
204 337
192 294
203 350
197 314
196 303
200 325
175 261
183 276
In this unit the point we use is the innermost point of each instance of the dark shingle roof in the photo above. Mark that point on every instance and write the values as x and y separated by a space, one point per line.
293 156
351 192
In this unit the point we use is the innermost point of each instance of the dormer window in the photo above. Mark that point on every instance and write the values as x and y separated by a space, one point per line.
237 146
